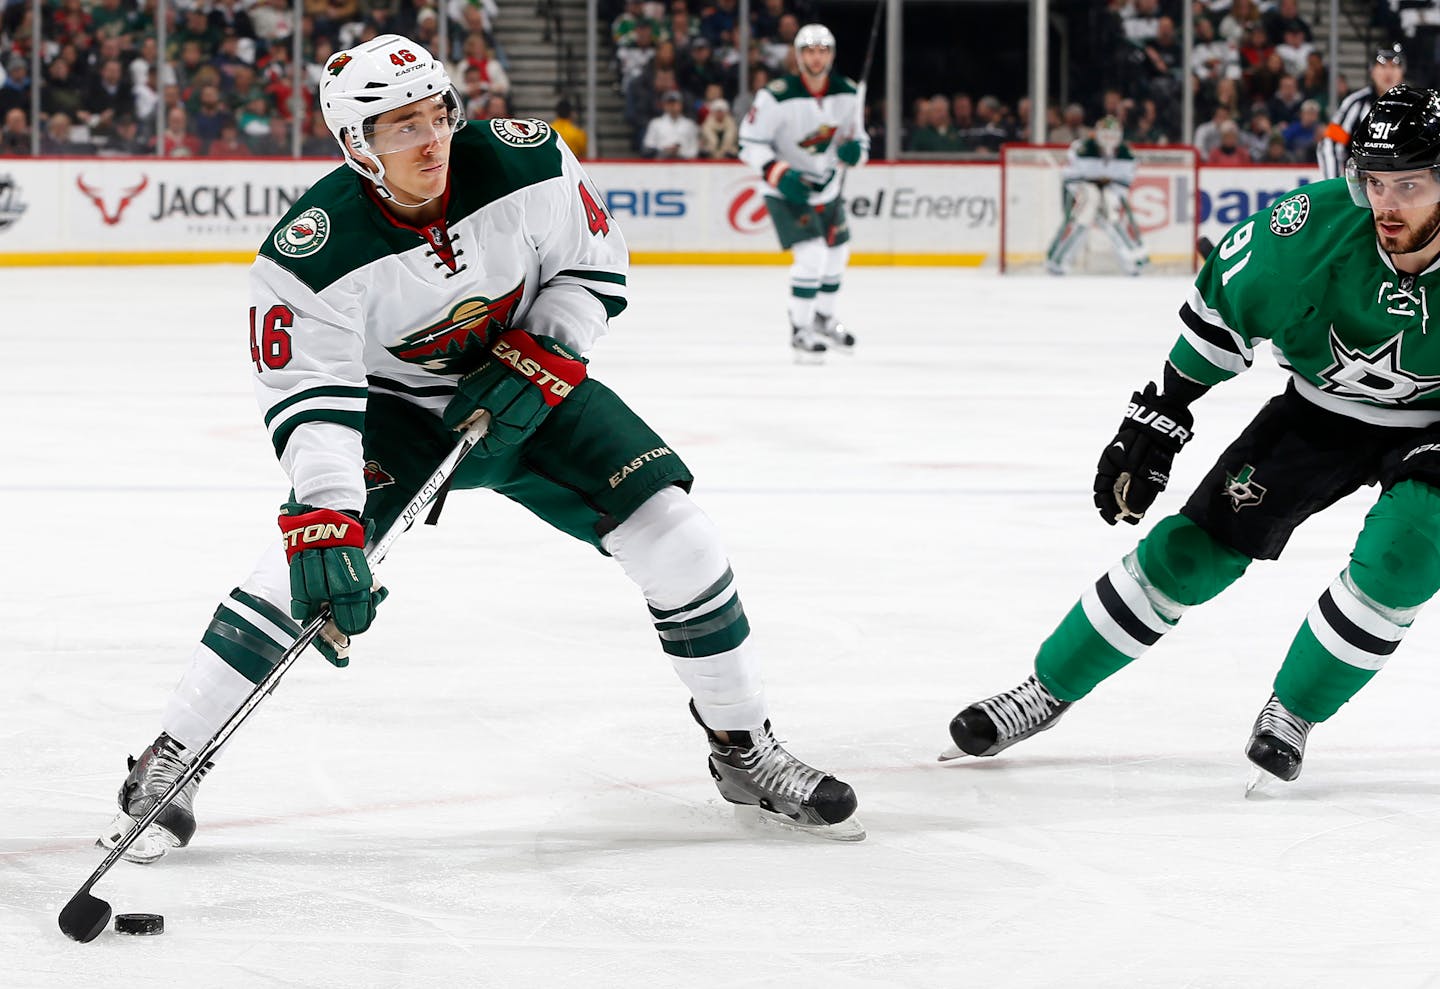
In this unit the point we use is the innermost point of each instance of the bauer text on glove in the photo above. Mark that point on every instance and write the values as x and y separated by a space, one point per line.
1135 467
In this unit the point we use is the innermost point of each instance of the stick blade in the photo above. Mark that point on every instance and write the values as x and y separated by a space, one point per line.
84 917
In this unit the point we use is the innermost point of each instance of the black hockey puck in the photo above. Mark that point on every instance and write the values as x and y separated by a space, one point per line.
139 923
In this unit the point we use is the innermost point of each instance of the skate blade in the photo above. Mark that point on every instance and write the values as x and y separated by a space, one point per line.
809 357
759 819
148 848
950 754
1261 784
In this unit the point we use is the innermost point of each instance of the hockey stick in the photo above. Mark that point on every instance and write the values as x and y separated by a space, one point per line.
86 915
862 90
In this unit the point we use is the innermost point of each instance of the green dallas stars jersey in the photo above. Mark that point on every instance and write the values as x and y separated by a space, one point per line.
1308 275
787 123
347 302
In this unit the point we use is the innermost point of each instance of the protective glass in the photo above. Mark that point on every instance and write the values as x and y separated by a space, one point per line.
416 125
1393 190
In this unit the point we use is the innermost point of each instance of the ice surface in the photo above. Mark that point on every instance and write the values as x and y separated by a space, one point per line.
505 789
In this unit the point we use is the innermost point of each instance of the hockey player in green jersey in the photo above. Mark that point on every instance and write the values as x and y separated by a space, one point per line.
799 131
1342 295
440 274
1097 180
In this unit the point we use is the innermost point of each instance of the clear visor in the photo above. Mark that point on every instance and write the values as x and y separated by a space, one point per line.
1393 190
416 125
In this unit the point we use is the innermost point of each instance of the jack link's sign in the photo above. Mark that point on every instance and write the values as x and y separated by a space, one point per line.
135 207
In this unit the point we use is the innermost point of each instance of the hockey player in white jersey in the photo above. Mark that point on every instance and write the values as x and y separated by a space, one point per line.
444 273
1097 180
800 134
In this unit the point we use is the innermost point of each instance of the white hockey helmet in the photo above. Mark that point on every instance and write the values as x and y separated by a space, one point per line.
1109 134
814 36
383 74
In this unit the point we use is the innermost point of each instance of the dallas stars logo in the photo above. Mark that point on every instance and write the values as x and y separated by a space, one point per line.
1290 215
1376 377
456 344
1242 489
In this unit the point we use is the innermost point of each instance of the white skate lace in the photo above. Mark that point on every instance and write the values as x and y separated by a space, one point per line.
777 771
1289 728
1021 709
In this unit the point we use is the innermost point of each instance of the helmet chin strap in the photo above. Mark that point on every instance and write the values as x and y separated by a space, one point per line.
353 158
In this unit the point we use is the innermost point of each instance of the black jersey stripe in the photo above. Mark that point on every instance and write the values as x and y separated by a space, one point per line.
1116 607
1213 335
1352 633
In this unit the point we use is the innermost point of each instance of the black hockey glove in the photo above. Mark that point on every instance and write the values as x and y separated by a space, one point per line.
1135 467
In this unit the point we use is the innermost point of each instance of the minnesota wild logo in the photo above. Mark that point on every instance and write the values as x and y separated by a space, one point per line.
456 344
1242 489
376 476
338 63
819 139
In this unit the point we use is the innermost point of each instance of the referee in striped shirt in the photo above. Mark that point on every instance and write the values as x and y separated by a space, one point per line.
1386 72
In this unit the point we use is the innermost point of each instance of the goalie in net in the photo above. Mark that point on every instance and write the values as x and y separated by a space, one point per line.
1097 180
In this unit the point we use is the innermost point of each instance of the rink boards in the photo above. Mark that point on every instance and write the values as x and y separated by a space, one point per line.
150 210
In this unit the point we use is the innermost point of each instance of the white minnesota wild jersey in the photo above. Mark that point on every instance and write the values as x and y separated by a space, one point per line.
347 301
789 123
1088 162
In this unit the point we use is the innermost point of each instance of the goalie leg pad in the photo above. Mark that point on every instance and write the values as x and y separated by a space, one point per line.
672 551
1085 202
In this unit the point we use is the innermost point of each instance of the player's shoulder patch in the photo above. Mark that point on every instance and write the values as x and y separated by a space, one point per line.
779 86
303 235
1290 214
520 132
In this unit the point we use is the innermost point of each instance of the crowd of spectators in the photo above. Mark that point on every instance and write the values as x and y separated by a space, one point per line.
226 77
678 68
1259 85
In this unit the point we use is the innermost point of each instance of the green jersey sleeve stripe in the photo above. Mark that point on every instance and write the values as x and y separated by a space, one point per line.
281 436
614 305
325 391
381 383
594 275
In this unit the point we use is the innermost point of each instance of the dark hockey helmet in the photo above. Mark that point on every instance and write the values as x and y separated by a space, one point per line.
1401 133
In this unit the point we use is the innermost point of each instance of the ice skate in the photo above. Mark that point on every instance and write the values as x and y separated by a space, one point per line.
1277 744
753 769
150 776
834 333
996 723
809 346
